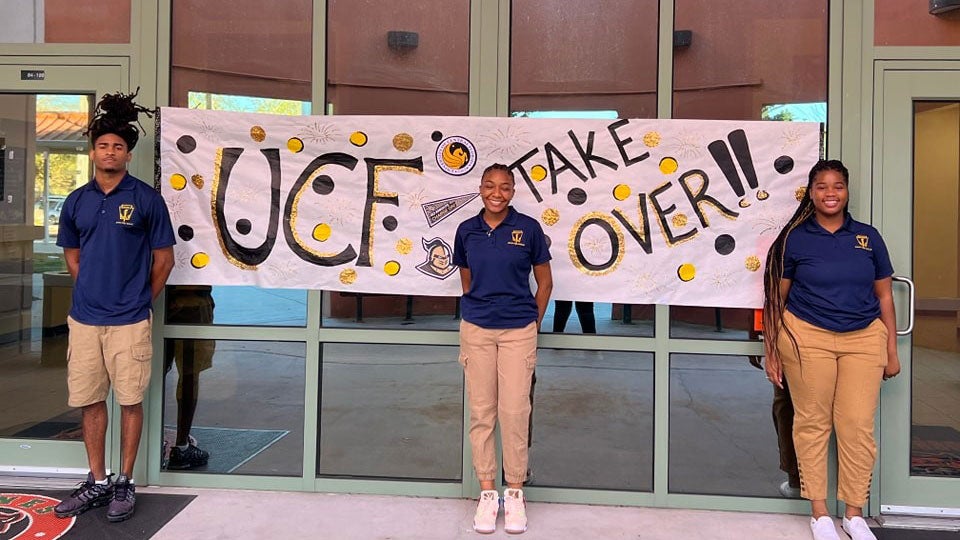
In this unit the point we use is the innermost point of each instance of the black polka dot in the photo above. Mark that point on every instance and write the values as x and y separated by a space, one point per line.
783 164
390 223
725 244
243 226
577 196
185 232
323 184
186 144
436 136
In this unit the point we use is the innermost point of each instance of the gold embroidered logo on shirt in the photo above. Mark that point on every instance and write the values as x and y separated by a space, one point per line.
863 242
516 238
126 214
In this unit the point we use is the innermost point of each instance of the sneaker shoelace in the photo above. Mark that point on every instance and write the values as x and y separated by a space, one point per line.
123 491
87 491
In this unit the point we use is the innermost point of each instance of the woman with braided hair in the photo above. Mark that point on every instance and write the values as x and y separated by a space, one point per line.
830 329
117 242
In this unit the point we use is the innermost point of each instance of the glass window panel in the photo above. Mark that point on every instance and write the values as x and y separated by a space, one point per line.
751 60
720 406
592 421
409 58
935 354
239 56
393 411
65 21
239 401
580 56
610 77
44 158
388 57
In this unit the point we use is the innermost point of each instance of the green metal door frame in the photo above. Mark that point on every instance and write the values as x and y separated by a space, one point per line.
64 75
897 85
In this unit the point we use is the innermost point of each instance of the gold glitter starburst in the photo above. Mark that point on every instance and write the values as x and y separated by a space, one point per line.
505 142
595 245
319 133
415 198
686 145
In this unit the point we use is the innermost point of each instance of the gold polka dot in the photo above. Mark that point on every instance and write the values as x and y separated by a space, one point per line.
391 268
550 216
668 165
178 181
358 138
799 193
258 134
752 263
651 139
538 173
621 192
199 260
348 276
404 246
686 272
679 220
762 195
402 141
197 181
321 232
295 145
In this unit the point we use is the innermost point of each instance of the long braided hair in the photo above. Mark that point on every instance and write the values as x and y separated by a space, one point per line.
116 114
773 304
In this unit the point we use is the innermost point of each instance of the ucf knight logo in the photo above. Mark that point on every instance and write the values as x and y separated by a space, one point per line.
31 516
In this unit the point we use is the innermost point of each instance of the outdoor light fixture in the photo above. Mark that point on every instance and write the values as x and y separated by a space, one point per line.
942 6
402 41
682 38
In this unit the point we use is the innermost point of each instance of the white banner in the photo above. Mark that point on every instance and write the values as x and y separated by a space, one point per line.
637 211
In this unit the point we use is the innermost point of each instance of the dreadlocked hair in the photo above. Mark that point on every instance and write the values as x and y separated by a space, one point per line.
116 114
773 303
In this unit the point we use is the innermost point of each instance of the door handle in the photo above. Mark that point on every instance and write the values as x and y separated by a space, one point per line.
911 290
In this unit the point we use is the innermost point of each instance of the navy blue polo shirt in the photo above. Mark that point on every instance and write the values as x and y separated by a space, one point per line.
833 274
116 233
500 261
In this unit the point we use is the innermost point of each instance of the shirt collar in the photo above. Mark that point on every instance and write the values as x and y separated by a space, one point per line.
511 218
813 226
126 184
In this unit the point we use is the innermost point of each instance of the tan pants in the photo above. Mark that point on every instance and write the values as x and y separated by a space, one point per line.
834 383
100 355
498 365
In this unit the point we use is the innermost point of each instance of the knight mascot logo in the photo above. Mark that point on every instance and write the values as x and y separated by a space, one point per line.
25 516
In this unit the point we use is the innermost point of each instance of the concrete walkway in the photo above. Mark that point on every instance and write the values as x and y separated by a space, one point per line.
220 514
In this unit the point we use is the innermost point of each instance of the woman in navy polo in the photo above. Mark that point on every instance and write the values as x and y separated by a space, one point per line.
830 328
496 251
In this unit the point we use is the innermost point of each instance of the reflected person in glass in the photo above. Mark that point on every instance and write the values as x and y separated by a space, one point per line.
187 304
830 329
496 250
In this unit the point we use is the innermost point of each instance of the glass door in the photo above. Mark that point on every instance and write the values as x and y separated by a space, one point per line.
44 111
918 194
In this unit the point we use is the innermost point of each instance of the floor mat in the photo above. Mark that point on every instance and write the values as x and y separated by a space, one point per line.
29 514
905 534
935 451
230 448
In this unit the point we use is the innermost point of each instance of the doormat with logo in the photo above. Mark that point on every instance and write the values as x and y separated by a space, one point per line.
29 515
909 534
935 451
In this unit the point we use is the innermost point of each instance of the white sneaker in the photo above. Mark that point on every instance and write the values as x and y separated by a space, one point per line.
858 529
789 492
514 511
485 520
823 528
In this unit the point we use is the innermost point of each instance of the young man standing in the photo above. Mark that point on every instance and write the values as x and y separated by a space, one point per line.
118 244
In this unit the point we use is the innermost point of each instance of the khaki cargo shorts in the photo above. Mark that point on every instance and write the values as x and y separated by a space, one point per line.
100 355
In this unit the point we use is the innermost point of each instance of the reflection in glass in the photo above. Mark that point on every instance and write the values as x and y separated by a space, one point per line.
393 411
722 439
232 407
935 407
65 21
385 58
44 159
592 423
